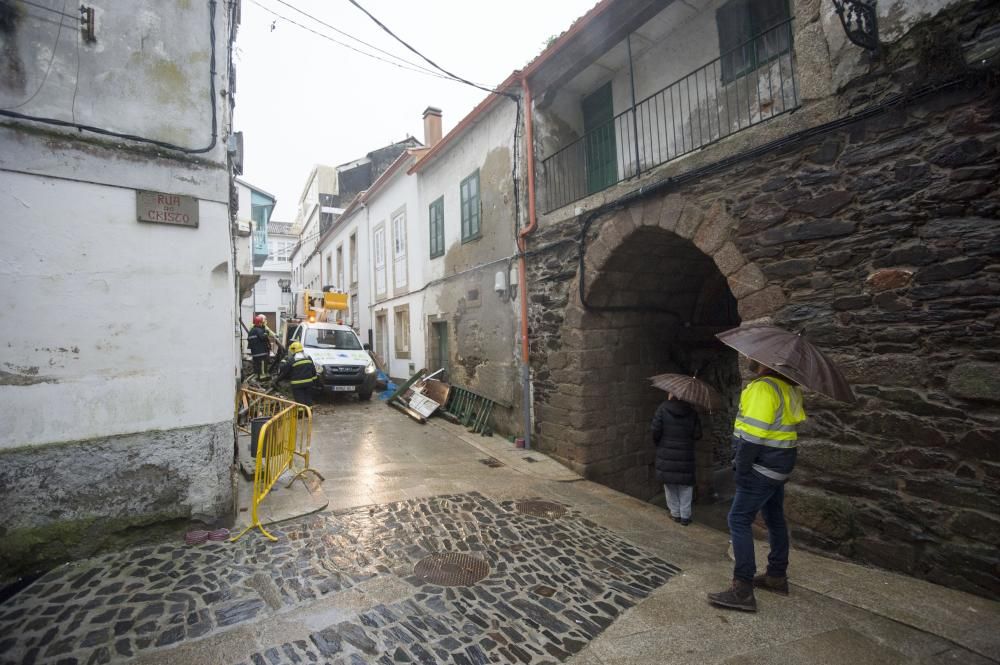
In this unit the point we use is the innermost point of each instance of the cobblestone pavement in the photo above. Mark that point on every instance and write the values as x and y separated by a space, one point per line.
594 578
553 585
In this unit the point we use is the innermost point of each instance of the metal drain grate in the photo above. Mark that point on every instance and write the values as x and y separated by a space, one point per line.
540 509
451 569
492 462
529 459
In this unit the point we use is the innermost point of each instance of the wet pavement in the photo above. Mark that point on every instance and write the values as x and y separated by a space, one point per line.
438 546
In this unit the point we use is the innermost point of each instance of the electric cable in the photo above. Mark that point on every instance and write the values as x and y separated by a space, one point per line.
348 46
62 13
142 139
428 60
48 67
350 36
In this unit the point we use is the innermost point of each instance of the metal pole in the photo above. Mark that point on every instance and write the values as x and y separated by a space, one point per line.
635 123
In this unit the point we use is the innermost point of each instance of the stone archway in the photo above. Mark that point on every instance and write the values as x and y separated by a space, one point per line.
660 279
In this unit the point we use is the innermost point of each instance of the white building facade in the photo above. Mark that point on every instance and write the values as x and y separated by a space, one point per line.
117 376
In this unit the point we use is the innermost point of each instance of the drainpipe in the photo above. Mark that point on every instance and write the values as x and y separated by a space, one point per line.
521 264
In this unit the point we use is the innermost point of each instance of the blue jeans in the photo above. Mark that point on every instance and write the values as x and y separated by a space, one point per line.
755 494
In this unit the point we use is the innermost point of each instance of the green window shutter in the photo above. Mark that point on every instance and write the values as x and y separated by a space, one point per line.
436 214
470 206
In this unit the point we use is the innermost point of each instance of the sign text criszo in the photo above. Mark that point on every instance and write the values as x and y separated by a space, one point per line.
160 208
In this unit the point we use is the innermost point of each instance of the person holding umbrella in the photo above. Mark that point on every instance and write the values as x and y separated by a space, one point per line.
765 448
675 428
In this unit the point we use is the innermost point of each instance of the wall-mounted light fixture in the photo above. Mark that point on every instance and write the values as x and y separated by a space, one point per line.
860 21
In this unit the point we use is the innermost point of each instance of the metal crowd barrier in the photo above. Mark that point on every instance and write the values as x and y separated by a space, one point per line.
286 435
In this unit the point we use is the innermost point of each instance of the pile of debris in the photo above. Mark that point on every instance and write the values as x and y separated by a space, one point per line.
422 396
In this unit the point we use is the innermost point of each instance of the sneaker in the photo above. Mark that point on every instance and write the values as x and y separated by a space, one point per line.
739 596
685 521
775 584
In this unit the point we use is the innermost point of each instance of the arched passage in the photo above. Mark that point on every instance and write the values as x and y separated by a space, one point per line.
654 301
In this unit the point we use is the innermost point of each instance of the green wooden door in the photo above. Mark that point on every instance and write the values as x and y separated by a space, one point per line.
599 128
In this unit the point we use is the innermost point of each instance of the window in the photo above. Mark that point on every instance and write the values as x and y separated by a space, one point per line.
278 250
318 338
354 258
401 331
329 268
437 228
340 268
354 312
469 191
751 33
399 250
379 240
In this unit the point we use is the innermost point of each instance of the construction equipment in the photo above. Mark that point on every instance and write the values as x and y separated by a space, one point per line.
470 409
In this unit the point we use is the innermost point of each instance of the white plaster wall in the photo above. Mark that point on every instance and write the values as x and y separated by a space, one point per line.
495 129
401 191
116 326
355 223
147 73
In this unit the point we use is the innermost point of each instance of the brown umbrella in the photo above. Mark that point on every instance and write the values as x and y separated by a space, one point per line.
689 389
793 356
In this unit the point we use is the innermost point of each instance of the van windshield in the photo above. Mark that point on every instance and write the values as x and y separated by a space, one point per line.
331 339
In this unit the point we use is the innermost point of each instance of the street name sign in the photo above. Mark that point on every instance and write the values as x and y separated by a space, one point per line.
160 208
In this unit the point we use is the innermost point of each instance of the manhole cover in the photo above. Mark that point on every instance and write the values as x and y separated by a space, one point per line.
540 509
451 569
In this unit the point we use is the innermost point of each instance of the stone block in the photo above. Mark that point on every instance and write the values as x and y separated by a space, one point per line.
790 267
668 215
762 303
728 259
614 232
975 381
980 444
823 205
942 272
952 154
830 457
977 526
690 219
714 230
746 280
891 369
888 278
812 57
827 514
816 229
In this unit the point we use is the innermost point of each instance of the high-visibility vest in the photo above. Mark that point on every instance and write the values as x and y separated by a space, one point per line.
303 370
770 409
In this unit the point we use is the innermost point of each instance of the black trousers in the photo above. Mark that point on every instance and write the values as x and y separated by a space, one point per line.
303 393
260 365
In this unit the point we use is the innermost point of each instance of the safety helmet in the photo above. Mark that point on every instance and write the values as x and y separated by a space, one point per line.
295 347
259 320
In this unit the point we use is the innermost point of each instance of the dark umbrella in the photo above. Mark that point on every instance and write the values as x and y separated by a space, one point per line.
793 356
689 389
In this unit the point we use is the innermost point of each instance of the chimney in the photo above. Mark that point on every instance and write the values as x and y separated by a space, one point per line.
432 126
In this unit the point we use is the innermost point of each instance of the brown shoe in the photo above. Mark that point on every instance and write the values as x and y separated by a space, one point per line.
738 597
775 584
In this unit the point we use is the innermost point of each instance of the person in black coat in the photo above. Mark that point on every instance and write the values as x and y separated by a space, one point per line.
259 343
675 428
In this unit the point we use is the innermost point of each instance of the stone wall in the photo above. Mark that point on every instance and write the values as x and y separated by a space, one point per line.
881 242
79 498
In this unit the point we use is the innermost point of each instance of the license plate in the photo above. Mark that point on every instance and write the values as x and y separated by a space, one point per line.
343 389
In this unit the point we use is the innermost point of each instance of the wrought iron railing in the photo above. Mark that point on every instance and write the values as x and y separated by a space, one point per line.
743 87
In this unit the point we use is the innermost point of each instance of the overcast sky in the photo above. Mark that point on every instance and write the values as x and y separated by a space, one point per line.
303 100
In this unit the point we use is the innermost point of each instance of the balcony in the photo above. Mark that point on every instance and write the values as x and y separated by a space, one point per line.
743 87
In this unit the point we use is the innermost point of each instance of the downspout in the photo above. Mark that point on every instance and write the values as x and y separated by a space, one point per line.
522 243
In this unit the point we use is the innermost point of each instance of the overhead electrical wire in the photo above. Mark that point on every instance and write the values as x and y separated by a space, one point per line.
350 36
412 68
63 13
424 57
